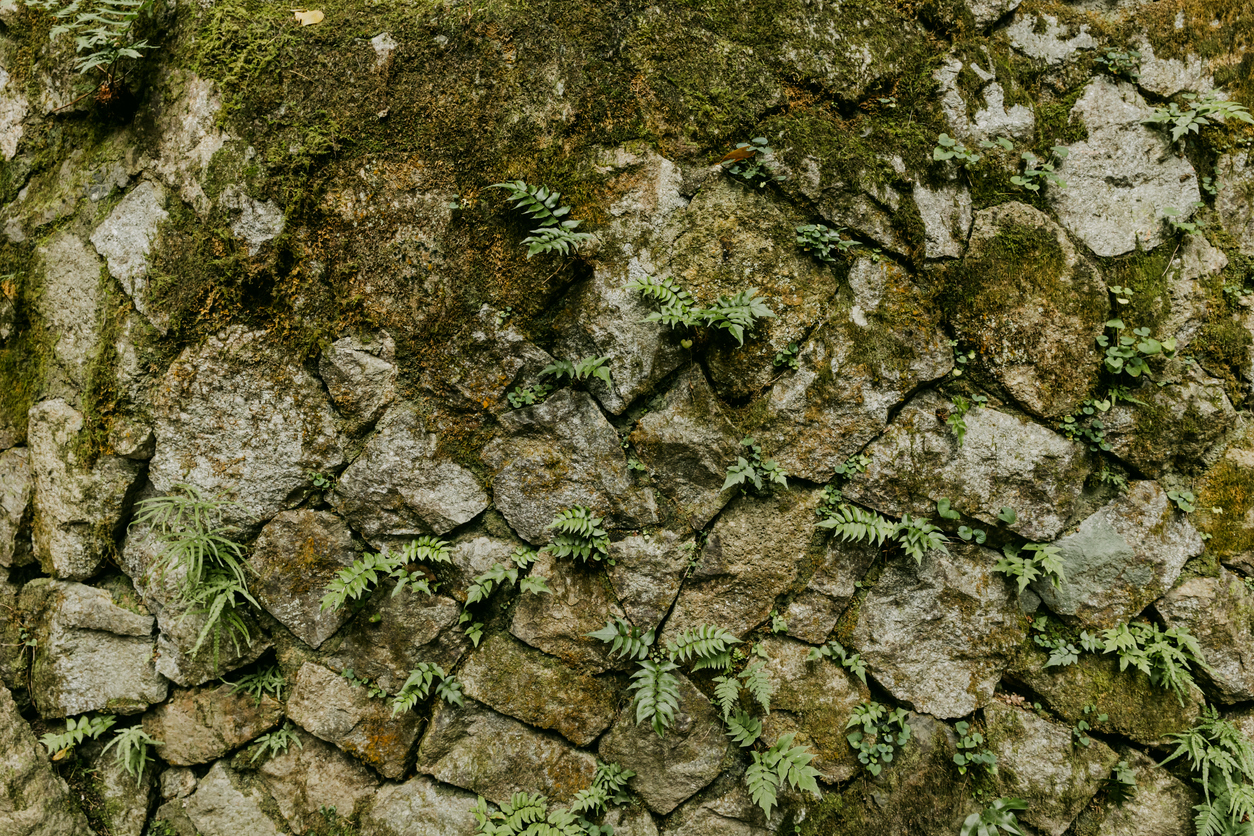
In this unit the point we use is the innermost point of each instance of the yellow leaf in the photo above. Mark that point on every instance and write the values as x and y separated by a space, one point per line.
309 18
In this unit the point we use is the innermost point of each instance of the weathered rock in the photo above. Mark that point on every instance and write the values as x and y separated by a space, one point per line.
13 109
126 798
1036 759
296 555
188 136
527 685
482 751
78 509
328 706
472 554
946 214
673 768
1232 172
814 612
230 803
992 120
419 805
1225 504
1166 77
631 821
70 309
132 438
559 454
1004 461
1032 308
239 417
1189 307
841 200
17 490
1219 612
34 800
986 12
853 370
938 635
646 572
1135 707
814 700
91 655
360 374
203 724
125 238
1121 559
412 627
402 486
178 782
725 808
559 623
252 221
1162 806
314 775
1046 39
13 656
1121 178
687 445
753 554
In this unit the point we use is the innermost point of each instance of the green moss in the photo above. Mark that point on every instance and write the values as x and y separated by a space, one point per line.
1147 274
24 356
1229 487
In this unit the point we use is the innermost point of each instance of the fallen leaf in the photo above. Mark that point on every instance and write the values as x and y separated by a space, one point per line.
739 154
309 18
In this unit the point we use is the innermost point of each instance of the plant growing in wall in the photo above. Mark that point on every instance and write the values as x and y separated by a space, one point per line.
754 472
556 232
736 314
752 162
1222 761
402 566
104 37
998 817
1198 112
913 535
501 575
76 731
578 534
878 732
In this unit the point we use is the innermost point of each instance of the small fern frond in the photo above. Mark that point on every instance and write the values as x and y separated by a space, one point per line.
703 643
744 729
854 524
726 693
625 639
759 684
657 694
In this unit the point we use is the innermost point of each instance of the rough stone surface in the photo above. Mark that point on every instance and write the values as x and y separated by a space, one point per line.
631 821
419 805
91 655
1121 178
239 417
813 613
558 454
1219 612
1048 40
1198 260
229 803
853 371
126 799
70 307
725 808
125 238
1004 461
687 444
1032 308
646 573
496 756
527 685
34 800
296 555
401 486
188 137
328 706
1166 77
1036 759
178 782
13 109
753 554
205 723
17 490
558 623
939 635
360 375
314 775
78 510
1162 806
986 12
946 215
673 768
1233 173
992 120
1121 559
252 221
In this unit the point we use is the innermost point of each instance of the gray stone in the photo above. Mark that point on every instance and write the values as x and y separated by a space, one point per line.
419 805
863 207
559 623
295 556
646 572
482 751
402 486
34 800
1218 613
230 803
946 215
725 809
631 821
1032 309
986 12
992 120
384 45
1236 212
252 221
527 685
360 375
559 454
17 490
1225 506
1036 759
939 635
14 659
125 239
126 798
1005 461
328 706
1166 77
13 109
91 655
203 724
70 309
238 417
1121 178
187 136
10 435
132 438
1186 292
1162 806
687 444
673 768
753 554
813 614
814 700
1051 42
473 554
315 775
178 782
1121 559
853 371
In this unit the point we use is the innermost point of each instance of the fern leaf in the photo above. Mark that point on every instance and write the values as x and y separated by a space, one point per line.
657 694
744 729
763 783
726 693
759 684
704 642
624 639
854 524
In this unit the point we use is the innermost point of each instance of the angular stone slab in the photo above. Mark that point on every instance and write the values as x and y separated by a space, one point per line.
314 775
202 724
419 805
231 803
1217 612
360 374
125 239
1162 806
646 574
17 490
34 800
814 612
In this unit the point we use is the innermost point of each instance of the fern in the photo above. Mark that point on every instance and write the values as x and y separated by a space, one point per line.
260 683
609 785
744 729
625 639
430 549
366 572
917 537
854 524
103 32
418 685
710 646
132 750
579 534
1031 562
483 585
356 580
563 239
737 314
851 662
581 369
556 232
276 742
193 536
665 290
657 694
1165 656
782 763
726 693
220 599
758 684
58 745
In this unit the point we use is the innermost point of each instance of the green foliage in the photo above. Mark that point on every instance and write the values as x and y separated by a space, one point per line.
752 162
1121 785
609 786
368 570
321 481
259 683
706 646
917 536
961 359
1222 761
103 32
782 763
193 537
1201 111
132 749
221 598
521 396
852 523
418 685
1165 656
945 509
743 728
579 369
787 357
578 534
276 742
758 684
1080 731
1007 515
1121 63
501 575
957 416
878 733
373 691
823 242
851 662
971 750
625 639
998 817
1083 425
1184 500
75 732
1038 172
969 534
657 694
1177 222
528 814
556 232
736 314
1032 561
948 148
1128 354
754 471
678 308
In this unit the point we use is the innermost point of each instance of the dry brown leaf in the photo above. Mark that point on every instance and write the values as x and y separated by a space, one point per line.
309 18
